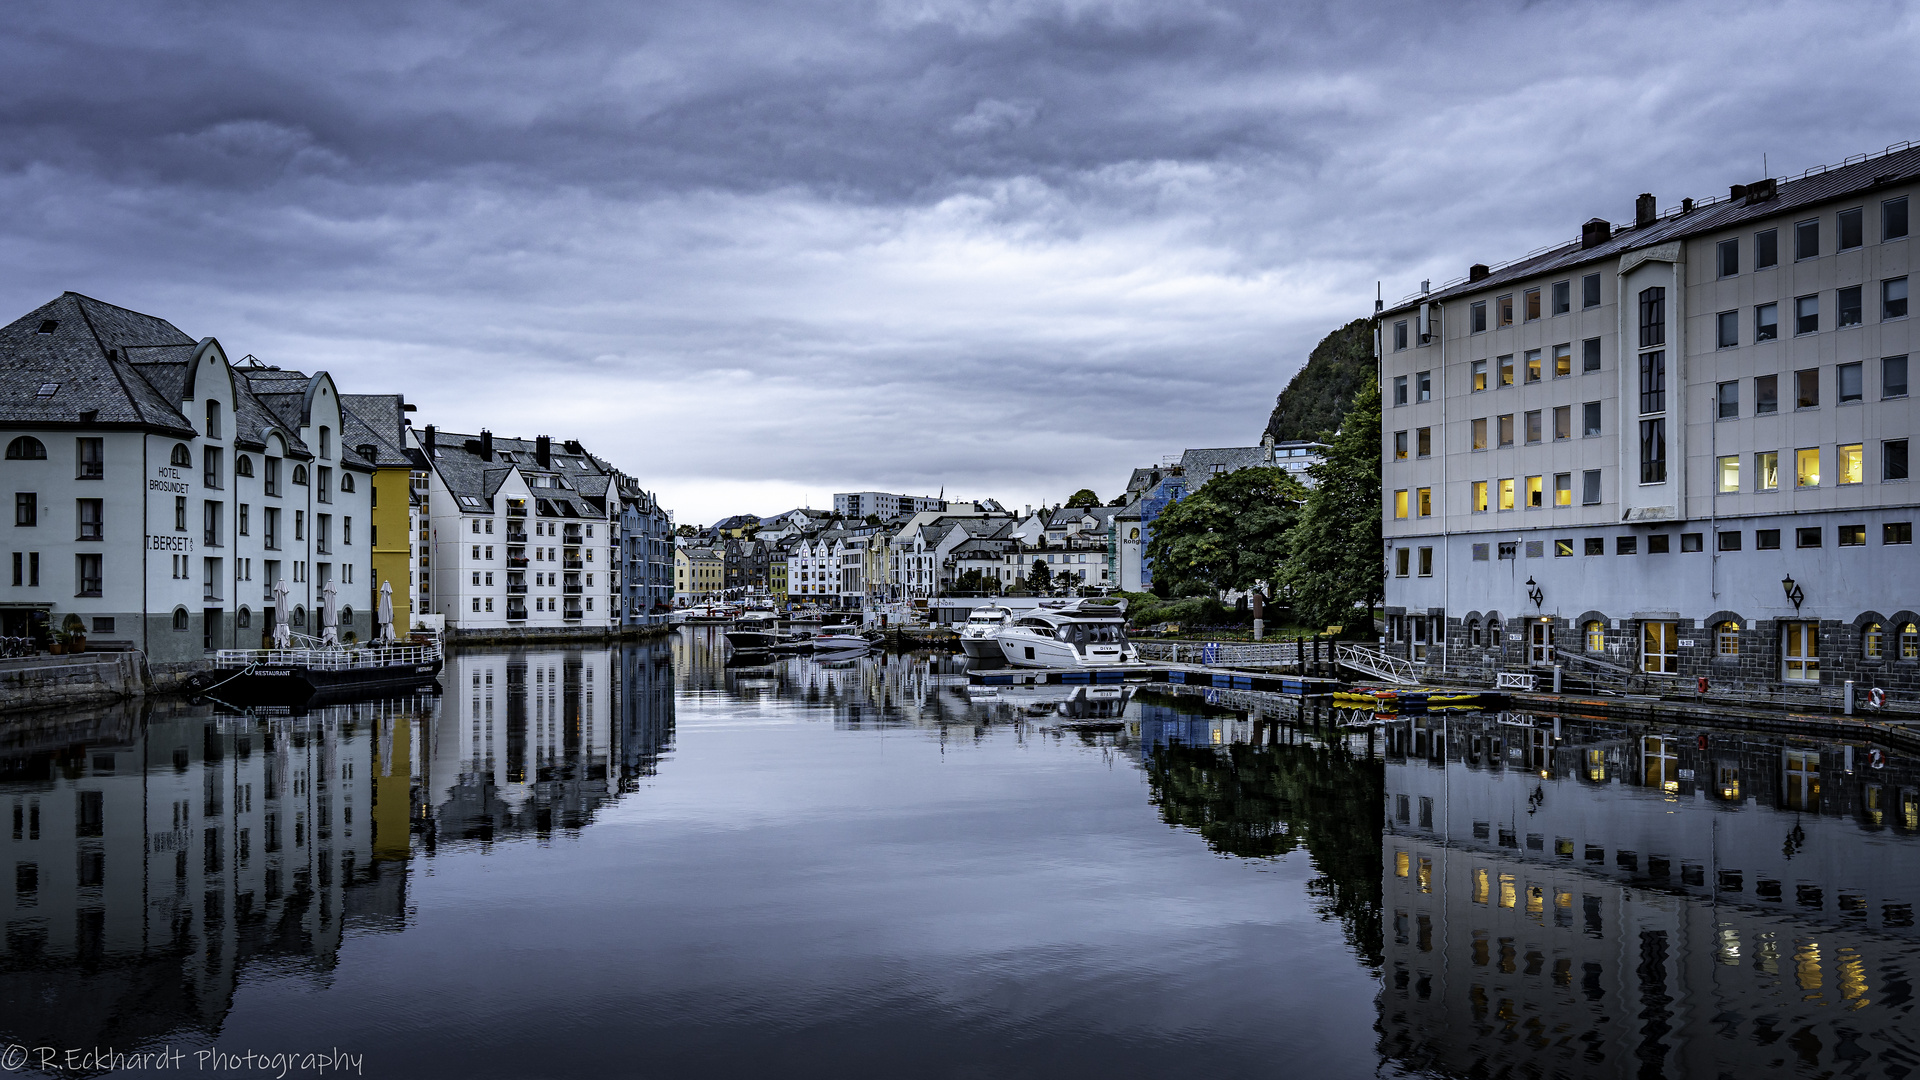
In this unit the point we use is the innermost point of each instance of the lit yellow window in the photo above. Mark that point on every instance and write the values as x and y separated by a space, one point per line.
1536 900
1563 490
1400 503
1479 496
1850 459
1506 494
1509 893
1480 885
1426 502
1536 491
1596 636
1806 470
1401 864
1730 473
1426 875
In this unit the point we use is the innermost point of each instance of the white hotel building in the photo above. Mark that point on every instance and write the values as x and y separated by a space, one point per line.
159 491
1678 447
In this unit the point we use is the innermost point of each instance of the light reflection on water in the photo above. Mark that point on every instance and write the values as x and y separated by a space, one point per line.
647 860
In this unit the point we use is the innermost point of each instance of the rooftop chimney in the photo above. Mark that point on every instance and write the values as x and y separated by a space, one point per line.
543 451
1426 286
1477 272
486 445
1595 232
1643 210
428 442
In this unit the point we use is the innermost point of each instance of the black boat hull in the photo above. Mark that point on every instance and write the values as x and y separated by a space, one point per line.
295 684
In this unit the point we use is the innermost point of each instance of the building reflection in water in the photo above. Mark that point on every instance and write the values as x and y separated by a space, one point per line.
153 853
1593 898
151 858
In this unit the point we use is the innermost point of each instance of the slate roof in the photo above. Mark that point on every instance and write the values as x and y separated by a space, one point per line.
376 420
283 393
1199 464
1886 170
457 459
83 357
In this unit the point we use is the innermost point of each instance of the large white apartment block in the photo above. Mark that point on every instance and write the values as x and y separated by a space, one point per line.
523 534
1678 448
858 504
159 491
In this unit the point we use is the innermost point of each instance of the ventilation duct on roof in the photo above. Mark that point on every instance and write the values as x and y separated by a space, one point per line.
1595 232
1761 191
1478 272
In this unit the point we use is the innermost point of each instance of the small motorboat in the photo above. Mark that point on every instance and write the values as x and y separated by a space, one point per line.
754 631
982 626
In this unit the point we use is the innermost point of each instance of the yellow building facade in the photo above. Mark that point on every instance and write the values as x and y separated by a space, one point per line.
376 426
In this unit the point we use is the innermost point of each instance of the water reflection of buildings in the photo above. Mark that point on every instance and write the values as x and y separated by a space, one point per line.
149 859
1602 899
145 871
533 740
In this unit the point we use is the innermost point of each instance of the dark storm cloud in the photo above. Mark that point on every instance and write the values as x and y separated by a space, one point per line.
760 252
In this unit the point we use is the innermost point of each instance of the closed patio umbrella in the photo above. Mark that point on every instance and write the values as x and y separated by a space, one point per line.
386 611
329 616
282 633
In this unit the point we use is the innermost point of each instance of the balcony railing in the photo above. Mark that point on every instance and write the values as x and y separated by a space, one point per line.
517 562
572 590
516 508
572 613
573 564
516 614
571 534
516 590
516 536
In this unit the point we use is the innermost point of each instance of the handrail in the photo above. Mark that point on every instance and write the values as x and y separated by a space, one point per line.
330 659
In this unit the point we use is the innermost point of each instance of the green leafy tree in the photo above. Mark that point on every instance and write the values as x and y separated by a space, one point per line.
1335 561
1231 534
1039 579
973 581
1083 498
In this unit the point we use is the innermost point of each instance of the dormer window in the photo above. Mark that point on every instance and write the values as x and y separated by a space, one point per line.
49 326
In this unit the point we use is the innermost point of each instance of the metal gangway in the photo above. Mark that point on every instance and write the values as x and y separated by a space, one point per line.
1375 662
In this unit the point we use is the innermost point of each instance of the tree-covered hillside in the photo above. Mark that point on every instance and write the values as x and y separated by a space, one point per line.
1313 403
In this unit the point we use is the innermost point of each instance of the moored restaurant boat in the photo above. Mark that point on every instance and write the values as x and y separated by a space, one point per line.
1069 634
296 675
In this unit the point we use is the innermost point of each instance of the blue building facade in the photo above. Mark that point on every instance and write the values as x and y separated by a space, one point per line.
646 558
1155 502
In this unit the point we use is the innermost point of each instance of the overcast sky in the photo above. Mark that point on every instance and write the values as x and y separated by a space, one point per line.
759 253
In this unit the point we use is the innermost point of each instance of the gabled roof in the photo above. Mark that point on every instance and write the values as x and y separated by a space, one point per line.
81 360
1709 215
1200 464
377 421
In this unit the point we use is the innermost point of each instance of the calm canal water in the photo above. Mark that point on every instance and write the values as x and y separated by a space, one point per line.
638 861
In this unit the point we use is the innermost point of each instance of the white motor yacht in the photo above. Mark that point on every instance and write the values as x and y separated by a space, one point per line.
978 632
1068 635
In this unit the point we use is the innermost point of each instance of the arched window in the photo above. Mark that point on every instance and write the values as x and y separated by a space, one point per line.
1727 638
26 448
243 619
180 619
182 456
213 419
1473 632
1873 641
243 466
346 615
300 474
1910 642
1493 634
1596 636
326 443
346 481
300 617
